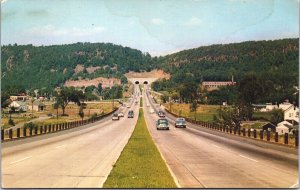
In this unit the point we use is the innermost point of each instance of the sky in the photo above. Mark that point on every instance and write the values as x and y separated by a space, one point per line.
158 27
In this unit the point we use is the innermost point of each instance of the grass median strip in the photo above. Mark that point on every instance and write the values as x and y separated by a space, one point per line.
140 164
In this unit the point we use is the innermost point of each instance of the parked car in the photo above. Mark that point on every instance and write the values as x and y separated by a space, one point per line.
115 116
121 114
151 110
161 113
180 122
162 124
130 114
136 102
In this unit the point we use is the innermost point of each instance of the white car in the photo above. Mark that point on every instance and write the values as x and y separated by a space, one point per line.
121 114
115 117
148 104
151 110
128 106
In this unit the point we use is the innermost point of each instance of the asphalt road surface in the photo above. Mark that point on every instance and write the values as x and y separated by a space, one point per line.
200 159
78 158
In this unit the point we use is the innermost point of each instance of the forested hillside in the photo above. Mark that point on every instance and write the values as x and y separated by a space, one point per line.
29 67
276 63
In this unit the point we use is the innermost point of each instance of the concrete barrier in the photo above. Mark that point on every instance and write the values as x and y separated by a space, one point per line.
276 137
2 134
286 138
24 131
10 133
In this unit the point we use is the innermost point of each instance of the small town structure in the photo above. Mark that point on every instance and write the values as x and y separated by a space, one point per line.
37 106
292 114
18 98
211 85
283 127
268 127
18 106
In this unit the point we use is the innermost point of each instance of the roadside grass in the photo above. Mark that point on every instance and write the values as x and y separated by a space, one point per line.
141 102
204 112
140 164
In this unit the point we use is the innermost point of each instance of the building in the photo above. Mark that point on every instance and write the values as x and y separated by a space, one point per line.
18 98
268 127
285 105
284 127
211 85
37 106
292 114
18 106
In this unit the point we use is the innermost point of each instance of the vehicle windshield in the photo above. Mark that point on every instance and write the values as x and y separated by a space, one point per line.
115 115
162 121
180 120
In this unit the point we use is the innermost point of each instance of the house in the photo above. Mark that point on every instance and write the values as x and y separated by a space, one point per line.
268 127
212 85
18 106
285 105
18 98
37 106
270 107
291 114
284 127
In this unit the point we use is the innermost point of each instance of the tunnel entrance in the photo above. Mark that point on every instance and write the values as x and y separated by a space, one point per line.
145 82
137 82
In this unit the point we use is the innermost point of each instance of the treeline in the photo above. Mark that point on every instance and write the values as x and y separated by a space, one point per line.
30 67
273 64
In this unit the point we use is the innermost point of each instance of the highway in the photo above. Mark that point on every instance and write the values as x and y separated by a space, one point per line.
78 158
197 158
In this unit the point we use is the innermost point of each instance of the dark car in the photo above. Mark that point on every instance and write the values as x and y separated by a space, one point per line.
115 116
180 122
130 114
161 114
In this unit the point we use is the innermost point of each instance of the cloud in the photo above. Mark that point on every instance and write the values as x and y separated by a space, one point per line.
194 21
157 21
50 30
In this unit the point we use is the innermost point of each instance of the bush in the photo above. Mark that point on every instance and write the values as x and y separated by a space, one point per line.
11 122
30 125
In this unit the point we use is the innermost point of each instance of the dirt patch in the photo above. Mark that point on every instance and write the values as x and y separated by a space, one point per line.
106 82
79 68
152 74
92 69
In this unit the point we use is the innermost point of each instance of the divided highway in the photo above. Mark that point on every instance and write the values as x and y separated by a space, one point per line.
78 158
200 159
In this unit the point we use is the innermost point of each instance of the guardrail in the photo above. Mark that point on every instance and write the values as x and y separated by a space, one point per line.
24 132
267 136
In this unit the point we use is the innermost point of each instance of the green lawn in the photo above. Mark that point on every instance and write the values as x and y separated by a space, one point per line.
140 164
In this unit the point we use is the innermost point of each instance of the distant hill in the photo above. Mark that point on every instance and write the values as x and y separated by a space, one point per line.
31 67
277 59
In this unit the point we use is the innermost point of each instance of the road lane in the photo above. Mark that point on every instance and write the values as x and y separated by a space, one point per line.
81 158
197 161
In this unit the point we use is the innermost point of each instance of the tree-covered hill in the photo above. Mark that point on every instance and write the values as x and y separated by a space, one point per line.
31 67
275 63
278 59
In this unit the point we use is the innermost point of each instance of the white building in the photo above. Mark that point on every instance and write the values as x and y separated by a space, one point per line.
18 106
292 114
270 107
285 105
283 127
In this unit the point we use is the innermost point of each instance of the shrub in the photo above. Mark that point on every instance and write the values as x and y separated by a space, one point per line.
11 122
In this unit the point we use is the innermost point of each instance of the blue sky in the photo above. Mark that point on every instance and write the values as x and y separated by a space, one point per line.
155 26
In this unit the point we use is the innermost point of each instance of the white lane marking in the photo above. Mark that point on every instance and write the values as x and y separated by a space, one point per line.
21 160
61 146
295 185
248 158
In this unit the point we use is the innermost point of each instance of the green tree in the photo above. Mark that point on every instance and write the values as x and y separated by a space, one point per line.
277 115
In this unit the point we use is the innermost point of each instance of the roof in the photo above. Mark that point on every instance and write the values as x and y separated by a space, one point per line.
285 123
20 103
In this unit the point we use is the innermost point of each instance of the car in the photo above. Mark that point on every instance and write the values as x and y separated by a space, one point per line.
115 116
161 114
121 114
130 114
151 110
180 122
136 102
128 106
148 104
162 124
